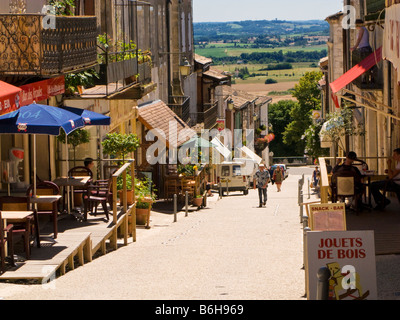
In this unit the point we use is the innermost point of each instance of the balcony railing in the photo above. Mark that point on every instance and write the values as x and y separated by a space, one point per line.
181 106
209 116
26 48
372 78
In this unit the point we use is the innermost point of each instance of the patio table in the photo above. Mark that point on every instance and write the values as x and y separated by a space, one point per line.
19 217
70 183
370 177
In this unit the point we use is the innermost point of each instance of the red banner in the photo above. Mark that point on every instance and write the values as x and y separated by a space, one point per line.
42 90
9 97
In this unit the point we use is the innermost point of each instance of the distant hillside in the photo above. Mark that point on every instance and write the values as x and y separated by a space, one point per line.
225 31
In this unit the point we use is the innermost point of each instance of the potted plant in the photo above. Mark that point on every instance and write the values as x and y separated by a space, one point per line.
198 201
120 145
340 124
129 190
145 196
75 82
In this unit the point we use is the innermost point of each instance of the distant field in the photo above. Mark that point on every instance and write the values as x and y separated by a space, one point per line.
220 50
288 75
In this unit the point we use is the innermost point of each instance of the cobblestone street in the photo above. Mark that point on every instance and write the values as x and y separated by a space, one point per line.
230 250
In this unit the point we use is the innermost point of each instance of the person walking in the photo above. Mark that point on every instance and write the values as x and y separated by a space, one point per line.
261 180
278 177
316 177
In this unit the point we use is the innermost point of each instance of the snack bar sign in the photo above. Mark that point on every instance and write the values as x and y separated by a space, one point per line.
350 258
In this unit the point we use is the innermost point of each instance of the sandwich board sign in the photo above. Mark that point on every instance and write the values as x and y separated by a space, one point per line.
328 217
350 258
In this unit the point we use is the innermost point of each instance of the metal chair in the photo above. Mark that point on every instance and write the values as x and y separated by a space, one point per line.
10 203
95 195
78 192
47 188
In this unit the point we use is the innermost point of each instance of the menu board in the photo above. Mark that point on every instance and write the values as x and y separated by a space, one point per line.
327 217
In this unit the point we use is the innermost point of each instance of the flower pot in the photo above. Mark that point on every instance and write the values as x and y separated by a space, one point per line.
129 196
142 216
198 202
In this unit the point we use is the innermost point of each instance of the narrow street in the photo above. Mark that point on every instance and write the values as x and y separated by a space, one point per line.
230 250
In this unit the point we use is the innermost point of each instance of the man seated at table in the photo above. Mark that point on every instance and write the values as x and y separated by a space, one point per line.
348 169
89 163
392 184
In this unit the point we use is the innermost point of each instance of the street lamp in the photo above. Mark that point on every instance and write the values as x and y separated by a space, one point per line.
230 104
185 68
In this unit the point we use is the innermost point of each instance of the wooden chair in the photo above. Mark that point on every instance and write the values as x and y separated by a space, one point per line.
51 209
344 185
188 185
171 187
6 239
95 195
10 203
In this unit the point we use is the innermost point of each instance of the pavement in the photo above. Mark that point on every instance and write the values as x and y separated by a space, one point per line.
230 250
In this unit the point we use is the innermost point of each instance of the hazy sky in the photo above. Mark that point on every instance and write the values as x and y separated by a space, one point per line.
237 10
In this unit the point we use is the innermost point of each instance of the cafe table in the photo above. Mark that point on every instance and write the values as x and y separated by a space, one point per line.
369 177
70 183
12 217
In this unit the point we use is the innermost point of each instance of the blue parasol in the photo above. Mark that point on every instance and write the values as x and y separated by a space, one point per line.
91 118
39 119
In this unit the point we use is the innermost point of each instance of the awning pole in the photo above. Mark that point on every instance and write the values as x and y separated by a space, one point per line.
370 108
372 101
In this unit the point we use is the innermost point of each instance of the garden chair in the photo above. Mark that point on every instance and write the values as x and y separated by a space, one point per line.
79 191
51 209
10 203
96 194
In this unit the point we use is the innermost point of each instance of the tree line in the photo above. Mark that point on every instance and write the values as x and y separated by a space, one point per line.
292 120
273 57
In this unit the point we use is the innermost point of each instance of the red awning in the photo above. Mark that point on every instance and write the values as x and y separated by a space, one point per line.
9 97
357 71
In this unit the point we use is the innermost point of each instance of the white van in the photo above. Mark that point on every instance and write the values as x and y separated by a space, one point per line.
235 174
251 166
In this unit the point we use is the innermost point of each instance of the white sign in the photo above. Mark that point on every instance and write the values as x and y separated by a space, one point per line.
350 258
391 42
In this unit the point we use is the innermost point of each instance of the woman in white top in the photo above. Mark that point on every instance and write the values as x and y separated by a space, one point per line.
361 50
362 38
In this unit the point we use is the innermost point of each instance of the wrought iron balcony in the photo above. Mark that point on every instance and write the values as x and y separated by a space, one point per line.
181 106
372 79
26 48
209 116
